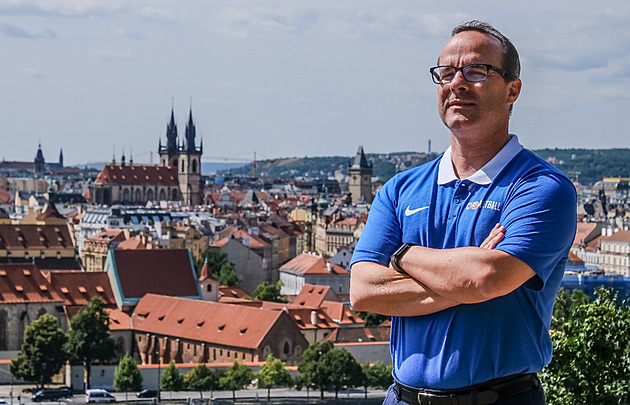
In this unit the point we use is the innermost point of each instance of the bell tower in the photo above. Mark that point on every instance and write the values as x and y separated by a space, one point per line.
360 178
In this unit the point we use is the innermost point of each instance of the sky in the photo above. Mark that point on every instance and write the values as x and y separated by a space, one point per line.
292 78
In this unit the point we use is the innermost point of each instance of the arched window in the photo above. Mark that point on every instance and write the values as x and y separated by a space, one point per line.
150 194
183 166
286 349
138 195
162 195
194 166
126 194
174 195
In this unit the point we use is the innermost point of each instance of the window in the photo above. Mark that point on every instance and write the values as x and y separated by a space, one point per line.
287 348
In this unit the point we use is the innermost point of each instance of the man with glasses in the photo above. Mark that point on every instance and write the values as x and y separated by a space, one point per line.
466 253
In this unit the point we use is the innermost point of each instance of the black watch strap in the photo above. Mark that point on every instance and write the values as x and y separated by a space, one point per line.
395 258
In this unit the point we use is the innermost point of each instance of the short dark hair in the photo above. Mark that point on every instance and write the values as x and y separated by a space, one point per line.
511 61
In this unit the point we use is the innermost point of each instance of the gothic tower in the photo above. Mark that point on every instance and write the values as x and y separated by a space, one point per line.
186 158
360 178
189 169
40 164
169 153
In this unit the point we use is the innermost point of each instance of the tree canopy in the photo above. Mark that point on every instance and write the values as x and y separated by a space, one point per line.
201 378
237 377
591 352
171 379
127 376
273 373
88 338
43 353
267 291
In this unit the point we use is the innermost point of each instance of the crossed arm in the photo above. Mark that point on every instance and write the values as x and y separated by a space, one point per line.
438 279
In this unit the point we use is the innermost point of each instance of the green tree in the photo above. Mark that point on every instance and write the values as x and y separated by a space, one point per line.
171 379
267 291
564 307
127 376
43 352
372 319
342 369
228 277
237 377
591 354
311 368
273 373
377 375
201 378
88 338
216 259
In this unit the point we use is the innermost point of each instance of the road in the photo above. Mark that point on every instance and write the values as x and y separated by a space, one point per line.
181 396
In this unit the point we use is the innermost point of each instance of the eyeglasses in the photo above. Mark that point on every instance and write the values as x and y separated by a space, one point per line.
475 72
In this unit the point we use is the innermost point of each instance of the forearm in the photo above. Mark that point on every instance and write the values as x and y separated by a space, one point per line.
467 274
383 290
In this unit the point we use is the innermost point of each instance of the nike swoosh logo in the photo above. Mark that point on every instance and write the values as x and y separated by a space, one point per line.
411 212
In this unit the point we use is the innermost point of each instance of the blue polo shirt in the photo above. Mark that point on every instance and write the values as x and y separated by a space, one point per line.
429 206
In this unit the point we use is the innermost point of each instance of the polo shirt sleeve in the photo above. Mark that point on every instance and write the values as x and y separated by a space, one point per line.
540 221
382 235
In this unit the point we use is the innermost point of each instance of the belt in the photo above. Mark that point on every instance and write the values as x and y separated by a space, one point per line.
482 394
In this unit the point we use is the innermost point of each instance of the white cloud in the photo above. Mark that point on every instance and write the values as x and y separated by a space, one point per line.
14 31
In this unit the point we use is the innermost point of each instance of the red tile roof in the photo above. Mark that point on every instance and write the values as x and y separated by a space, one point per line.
224 324
24 283
313 295
131 243
35 237
307 263
118 320
79 287
254 240
138 175
619 236
206 272
231 292
158 271
340 313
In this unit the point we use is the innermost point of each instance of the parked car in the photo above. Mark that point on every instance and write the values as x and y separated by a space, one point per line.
51 394
98 395
147 394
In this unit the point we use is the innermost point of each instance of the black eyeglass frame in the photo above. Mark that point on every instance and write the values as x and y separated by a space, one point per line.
489 67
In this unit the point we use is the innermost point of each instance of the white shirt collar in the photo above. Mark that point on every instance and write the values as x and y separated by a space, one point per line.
486 174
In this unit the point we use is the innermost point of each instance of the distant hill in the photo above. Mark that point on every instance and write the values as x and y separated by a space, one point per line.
586 165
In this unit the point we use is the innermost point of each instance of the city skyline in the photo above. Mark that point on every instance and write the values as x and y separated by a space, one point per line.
287 79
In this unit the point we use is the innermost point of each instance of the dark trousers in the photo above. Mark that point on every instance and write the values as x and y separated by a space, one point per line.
534 396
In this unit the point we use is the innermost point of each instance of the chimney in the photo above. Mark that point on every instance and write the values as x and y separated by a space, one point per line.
329 266
314 317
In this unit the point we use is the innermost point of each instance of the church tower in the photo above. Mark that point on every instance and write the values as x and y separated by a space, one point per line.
169 153
190 166
40 164
360 178
185 157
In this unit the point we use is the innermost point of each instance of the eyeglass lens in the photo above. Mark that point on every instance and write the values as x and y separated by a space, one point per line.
472 73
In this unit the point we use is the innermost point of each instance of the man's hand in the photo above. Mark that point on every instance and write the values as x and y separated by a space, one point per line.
497 234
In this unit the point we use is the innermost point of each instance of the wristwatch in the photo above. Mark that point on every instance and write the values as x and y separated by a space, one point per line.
395 258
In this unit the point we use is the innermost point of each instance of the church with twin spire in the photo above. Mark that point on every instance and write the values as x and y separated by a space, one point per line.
176 178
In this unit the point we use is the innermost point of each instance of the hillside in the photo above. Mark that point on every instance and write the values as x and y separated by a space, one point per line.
586 165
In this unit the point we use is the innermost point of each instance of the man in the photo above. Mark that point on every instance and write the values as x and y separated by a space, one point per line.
467 252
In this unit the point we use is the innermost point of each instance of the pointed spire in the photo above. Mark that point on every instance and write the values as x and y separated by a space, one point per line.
190 132
60 157
206 272
130 156
360 161
122 159
114 157
171 134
